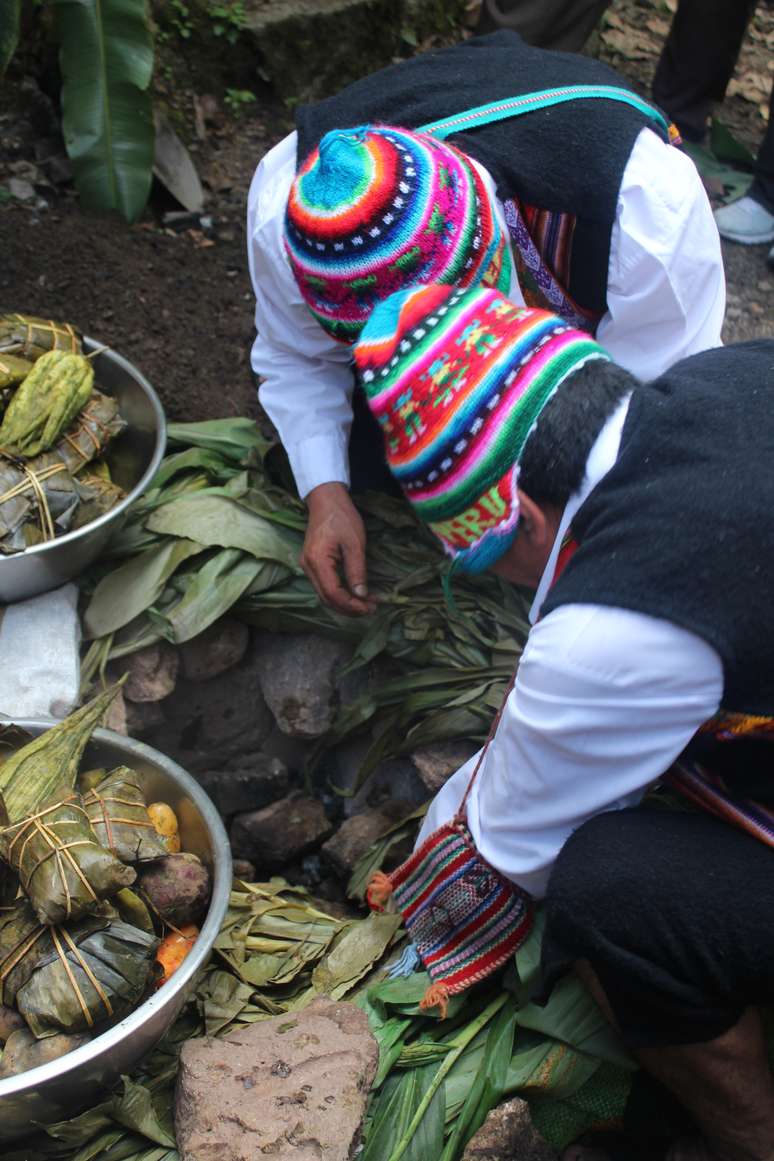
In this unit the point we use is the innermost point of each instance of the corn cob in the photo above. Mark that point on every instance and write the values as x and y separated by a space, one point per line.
56 389
30 338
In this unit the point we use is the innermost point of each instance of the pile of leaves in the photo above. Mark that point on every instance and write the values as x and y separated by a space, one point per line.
218 531
436 1081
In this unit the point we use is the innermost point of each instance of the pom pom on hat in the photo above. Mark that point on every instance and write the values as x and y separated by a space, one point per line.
375 209
457 380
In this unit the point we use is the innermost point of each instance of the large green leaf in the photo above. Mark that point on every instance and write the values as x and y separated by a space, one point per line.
10 11
106 57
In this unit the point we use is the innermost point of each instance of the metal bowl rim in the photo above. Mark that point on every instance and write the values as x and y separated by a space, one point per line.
35 1078
142 483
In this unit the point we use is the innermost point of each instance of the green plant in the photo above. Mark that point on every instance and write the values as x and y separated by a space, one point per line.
238 99
106 60
228 19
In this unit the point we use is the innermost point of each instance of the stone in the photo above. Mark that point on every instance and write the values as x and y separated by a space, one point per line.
217 649
357 834
209 724
252 784
243 869
115 718
312 48
297 674
142 716
152 672
279 833
391 778
293 1087
21 189
508 1134
438 762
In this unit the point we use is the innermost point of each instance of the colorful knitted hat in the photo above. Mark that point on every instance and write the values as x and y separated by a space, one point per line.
457 380
375 209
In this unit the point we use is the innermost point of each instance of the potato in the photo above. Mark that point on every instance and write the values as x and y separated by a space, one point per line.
177 888
10 1021
23 1052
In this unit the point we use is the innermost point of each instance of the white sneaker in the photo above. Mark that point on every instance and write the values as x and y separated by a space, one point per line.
745 221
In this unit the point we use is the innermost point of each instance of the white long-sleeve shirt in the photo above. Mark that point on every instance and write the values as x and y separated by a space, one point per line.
604 701
665 297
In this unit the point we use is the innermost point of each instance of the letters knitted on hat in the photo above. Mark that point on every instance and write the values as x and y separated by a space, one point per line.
457 380
376 209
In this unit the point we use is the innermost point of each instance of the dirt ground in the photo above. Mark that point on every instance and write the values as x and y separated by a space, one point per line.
179 304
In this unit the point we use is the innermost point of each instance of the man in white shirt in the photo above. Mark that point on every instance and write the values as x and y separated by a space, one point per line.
640 514
604 222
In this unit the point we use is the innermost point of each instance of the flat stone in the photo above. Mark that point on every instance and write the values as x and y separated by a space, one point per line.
243 869
21 189
279 833
217 649
312 48
209 723
254 783
143 716
298 677
152 672
293 1088
508 1134
438 762
357 835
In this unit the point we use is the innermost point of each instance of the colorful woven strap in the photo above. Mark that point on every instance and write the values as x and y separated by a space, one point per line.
544 99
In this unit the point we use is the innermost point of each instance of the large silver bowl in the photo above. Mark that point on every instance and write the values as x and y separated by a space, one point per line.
133 457
62 1088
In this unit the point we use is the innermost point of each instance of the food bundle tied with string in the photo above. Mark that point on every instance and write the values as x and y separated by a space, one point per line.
55 427
98 905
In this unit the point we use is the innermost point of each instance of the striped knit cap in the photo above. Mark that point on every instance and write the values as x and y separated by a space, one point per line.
375 209
457 380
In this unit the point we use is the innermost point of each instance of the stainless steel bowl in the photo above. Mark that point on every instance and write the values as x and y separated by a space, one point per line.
133 457
62 1088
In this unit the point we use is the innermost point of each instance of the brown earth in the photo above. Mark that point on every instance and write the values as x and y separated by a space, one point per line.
179 304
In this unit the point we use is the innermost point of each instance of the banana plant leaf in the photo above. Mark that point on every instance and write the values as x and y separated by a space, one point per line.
106 58
117 811
208 594
71 979
133 587
63 870
232 438
29 337
216 520
10 14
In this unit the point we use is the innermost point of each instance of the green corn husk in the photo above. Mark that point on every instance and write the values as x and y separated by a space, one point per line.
29 337
72 978
30 775
56 472
117 811
12 371
63 870
45 404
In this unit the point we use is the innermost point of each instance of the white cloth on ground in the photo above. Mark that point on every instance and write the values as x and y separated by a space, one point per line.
666 298
39 655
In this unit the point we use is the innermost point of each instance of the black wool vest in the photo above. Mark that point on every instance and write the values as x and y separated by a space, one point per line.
682 526
569 158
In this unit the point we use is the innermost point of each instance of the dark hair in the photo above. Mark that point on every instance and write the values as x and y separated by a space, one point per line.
553 463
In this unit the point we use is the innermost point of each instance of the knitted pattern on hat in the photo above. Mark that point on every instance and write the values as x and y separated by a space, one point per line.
376 209
457 380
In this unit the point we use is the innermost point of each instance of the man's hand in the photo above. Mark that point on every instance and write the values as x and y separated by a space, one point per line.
335 544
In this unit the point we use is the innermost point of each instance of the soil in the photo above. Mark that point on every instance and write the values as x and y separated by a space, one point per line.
179 304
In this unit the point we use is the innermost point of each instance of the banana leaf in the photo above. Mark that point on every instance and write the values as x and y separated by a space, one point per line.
12 371
29 337
106 59
133 587
54 473
218 521
63 870
233 438
117 811
9 32
71 979
32 773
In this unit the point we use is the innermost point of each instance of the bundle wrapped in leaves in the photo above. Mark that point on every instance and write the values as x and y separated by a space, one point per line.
72 978
62 868
117 810
43 496
29 338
